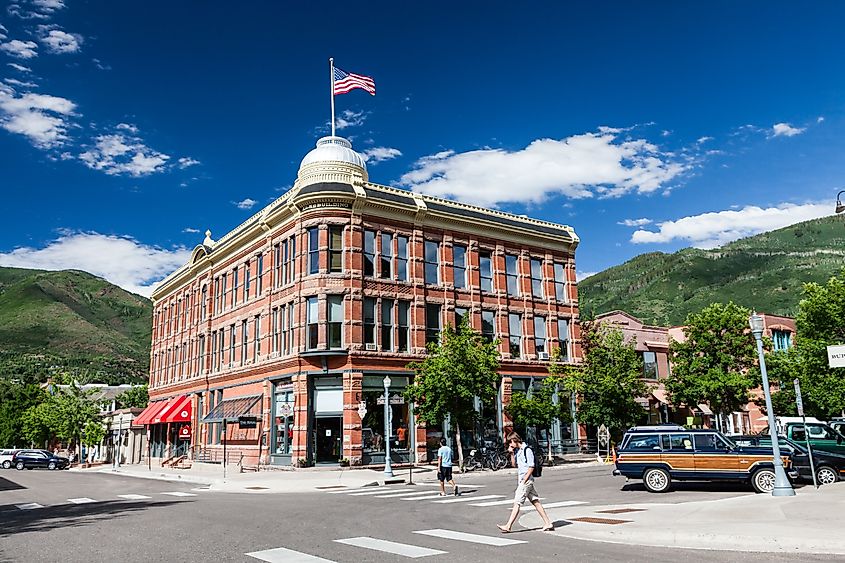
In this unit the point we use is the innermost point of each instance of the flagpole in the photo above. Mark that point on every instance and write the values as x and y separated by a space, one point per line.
331 73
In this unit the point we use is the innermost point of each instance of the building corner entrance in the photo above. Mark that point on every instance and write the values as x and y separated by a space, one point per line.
328 446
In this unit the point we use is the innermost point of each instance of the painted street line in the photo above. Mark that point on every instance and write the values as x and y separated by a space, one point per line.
554 505
497 502
282 555
405 494
81 500
180 494
423 498
134 497
467 485
469 499
380 492
395 548
498 541
29 506
356 490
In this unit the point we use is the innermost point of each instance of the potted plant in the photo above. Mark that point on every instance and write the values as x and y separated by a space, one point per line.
344 462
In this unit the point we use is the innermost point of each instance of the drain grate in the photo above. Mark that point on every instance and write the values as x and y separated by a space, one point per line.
591 520
257 488
620 510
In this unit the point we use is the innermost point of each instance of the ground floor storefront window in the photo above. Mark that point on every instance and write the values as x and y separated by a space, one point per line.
398 428
282 435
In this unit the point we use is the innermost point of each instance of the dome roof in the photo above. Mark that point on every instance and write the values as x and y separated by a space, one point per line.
333 149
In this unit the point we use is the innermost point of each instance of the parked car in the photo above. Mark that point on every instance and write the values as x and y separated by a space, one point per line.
838 424
830 467
660 454
29 459
6 458
822 436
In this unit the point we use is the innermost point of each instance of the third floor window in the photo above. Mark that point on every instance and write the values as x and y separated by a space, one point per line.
537 278
560 282
386 256
432 262
512 274
335 249
485 268
459 255
313 250
369 253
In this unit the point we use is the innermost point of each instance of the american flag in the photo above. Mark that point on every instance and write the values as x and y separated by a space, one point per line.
347 81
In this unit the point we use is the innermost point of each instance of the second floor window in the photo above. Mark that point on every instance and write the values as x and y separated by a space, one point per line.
259 276
289 260
563 338
312 320
335 249
387 325
201 362
369 253
402 314
386 256
537 278
277 265
244 339
231 345
246 280
256 337
369 321
485 269
540 334
432 323
459 254
313 250
235 277
515 335
488 325
432 262
512 274
649 365
204 305
402 258
334 315
781 339
461 314
560 282
275 328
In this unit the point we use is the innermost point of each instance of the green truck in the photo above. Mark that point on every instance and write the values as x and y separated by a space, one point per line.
822 436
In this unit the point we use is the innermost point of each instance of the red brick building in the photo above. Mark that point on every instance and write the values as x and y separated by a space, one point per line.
298 314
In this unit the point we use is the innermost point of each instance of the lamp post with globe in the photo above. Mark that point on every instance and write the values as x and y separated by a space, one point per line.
388 471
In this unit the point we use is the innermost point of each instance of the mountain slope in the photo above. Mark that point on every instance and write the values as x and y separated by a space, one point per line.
764 272
71 321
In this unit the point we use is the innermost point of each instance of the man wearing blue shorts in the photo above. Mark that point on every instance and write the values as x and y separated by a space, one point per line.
444 468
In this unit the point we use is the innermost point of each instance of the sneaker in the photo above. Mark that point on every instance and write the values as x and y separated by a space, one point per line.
457 494
442 494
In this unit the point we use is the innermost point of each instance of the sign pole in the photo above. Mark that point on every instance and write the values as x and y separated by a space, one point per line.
800 404
331 74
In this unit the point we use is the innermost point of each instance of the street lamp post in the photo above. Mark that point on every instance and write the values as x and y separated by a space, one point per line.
840 207
783 488
388 471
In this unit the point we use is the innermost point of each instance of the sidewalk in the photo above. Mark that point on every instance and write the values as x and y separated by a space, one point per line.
806 523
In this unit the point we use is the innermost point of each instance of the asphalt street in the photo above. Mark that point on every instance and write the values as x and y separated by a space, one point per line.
76 516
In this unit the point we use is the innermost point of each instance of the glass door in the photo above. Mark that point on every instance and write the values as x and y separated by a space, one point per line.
329 439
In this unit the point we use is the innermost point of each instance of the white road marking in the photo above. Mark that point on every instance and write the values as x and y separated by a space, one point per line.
498 541
422 498
496 502
437 484
555 504
404 549
282 555
180 494
467 499
134 497
81 500
404 494
29 506
379 492
355 490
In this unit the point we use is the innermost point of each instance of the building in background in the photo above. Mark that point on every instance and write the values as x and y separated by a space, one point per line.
297 315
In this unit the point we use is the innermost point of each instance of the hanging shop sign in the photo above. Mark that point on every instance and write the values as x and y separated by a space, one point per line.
247 422
185 432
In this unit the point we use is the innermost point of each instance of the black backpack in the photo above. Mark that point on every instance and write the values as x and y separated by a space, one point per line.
538 461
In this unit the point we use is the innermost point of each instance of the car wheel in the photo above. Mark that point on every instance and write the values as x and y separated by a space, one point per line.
657 480
763 480
826 476
19 466
51 466
7 464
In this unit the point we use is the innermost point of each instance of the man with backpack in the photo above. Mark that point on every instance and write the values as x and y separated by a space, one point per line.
523 458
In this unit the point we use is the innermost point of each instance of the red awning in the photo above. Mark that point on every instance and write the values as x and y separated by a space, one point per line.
148 413
178 410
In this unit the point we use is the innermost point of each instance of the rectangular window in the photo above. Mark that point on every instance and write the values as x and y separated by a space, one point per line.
246 280
485 267
781 340
540 334
256 337
649 365
201 367
488 325
244 340
232 345
537 278
275 329
515 334
235 277
432 262
402 258
292 268
312 322
313 250
512 274
283 329
334 336
286 262
215 357
369 321
432 323
563 338
204 305
386 256
259 276
223 290
387 325
277 265
335 249
402 313
560 282
460 265
460 314
289 339
369 253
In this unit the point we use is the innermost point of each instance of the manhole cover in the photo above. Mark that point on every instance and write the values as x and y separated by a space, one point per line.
257 488
619 510
591 520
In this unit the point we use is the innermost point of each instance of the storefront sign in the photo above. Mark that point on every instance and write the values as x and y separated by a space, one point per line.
836 356
247 422
362 409
394 400
285 409
185 432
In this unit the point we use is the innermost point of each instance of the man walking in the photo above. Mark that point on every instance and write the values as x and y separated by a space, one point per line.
522 457
444 468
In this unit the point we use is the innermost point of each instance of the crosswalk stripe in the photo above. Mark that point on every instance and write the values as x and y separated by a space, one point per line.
496 502
404 549
437 484
473 538
179 494
134 497
29 506
422 498
81 500
555 504
466 499
380 492
405 494
354 490
282 555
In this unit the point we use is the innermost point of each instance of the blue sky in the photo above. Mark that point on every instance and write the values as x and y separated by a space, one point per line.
128 128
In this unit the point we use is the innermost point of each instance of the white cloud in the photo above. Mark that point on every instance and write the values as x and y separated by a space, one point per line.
583 275
18 11
187 161
20 49
127 127
579 166
786 130
58 41
635 222
820 119
3 31
19 83
20 68
122 260
247 203
349 118
118 154
100 65
702 140
709 230
48 6
380 154
190 230
43 119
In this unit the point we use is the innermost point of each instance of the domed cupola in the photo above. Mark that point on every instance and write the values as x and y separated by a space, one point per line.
333 160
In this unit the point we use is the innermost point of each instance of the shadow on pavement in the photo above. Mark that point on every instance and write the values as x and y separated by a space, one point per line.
7 485
697 486
16 521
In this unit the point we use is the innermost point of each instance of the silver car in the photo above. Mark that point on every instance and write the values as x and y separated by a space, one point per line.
6 458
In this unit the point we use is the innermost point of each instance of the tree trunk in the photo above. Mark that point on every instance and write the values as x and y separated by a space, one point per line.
460 446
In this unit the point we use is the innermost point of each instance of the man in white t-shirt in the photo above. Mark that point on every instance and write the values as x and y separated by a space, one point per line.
522 457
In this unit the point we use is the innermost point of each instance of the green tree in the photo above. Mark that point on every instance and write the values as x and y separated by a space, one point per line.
609 381
462 365
15 400
38 423
783 367
539 408
136 397
716 364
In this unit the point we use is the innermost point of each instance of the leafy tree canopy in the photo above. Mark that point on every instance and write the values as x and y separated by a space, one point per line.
137 397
